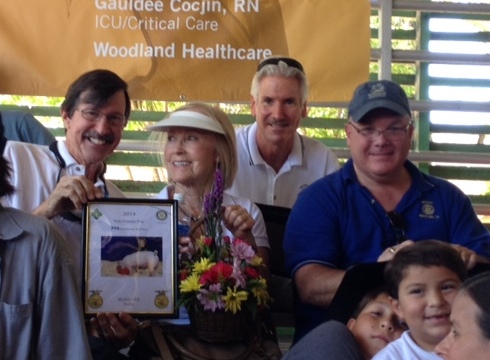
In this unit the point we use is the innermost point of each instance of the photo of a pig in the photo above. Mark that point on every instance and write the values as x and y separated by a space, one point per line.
140 260
131 256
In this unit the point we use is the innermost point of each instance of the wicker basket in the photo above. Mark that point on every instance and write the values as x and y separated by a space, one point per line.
219 326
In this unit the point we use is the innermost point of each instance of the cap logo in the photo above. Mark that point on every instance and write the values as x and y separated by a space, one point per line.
378 94
377 91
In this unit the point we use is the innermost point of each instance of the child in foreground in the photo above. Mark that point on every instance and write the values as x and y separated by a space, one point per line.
422 280
372 326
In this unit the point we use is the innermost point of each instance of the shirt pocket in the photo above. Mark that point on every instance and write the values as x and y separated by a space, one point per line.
16 329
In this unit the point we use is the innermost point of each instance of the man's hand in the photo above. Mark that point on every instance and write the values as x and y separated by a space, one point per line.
71 193
388 253
470 258
121 329
185 246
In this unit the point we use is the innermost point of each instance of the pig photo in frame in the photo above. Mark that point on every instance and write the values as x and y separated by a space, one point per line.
130 257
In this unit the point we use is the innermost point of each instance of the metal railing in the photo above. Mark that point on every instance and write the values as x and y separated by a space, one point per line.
344 153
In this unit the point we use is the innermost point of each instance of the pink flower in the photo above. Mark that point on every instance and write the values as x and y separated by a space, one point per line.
211 299
241 250
239 277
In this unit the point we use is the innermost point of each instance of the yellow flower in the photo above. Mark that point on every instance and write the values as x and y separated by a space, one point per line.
190 284
260 291
200 241
256 261
202 265
233 299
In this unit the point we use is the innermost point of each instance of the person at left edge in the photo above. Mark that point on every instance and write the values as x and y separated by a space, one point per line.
23 126
40 308
55 181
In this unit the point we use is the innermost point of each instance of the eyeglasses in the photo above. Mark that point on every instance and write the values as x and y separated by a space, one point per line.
275 61
398 224
392 133
116 120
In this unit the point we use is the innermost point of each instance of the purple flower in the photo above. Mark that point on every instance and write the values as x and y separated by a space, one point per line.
242 251
211 299
238 275
208 207
213 202
218 188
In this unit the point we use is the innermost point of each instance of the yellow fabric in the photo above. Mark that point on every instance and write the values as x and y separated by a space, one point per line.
179 49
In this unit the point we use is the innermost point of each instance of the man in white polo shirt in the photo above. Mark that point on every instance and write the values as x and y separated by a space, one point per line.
55 181
275 162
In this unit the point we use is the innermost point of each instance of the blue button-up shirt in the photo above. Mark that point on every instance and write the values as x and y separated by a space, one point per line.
40 306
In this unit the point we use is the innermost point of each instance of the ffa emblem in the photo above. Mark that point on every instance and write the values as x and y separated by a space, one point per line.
95 301
96 214
161 300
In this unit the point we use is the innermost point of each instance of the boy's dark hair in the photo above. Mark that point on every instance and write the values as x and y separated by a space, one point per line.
424 253
370 296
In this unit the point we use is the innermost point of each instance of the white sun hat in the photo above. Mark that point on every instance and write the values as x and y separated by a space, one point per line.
190 119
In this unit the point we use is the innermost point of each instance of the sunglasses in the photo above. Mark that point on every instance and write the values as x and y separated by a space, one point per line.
398 224
275 61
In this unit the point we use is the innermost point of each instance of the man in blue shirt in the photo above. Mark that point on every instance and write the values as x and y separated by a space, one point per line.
376 204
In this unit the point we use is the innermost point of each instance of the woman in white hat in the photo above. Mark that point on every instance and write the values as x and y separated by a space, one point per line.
197 139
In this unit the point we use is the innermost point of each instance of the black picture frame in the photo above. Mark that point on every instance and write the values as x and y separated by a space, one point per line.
130 257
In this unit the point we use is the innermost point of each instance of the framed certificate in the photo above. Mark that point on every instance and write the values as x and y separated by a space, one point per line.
130 257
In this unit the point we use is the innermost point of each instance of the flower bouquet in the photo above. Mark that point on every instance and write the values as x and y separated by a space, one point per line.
220 285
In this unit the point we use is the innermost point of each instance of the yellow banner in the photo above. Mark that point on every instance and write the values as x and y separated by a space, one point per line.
182 49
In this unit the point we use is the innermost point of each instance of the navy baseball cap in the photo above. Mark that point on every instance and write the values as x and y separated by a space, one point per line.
378 94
